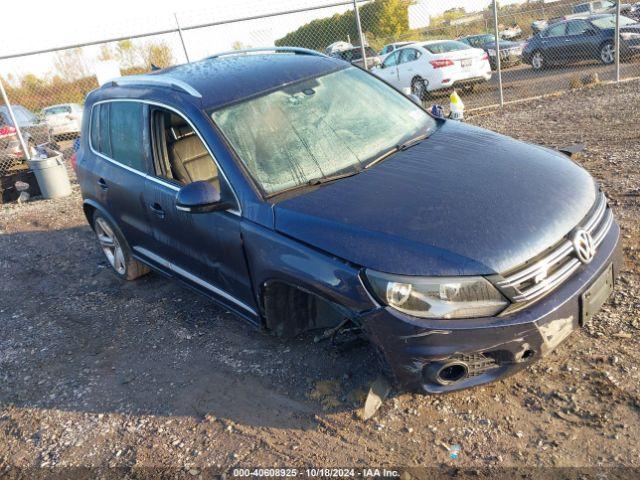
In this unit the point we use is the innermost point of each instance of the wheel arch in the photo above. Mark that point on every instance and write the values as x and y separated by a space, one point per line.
282 267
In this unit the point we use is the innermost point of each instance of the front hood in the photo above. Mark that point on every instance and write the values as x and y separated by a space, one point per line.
465 201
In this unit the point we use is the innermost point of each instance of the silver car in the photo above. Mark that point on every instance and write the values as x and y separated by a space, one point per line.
64 119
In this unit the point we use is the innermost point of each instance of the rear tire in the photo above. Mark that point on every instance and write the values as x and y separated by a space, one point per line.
116 249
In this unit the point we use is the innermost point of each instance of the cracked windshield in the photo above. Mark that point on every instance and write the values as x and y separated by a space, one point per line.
319 128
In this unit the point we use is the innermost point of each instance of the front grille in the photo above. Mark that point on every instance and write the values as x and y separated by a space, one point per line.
541 275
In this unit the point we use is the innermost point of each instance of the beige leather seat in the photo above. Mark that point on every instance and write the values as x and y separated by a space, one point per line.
189 159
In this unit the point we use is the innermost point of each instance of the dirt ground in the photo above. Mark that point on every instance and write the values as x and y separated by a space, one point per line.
147 375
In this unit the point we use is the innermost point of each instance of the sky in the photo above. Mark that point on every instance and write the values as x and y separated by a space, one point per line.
61 23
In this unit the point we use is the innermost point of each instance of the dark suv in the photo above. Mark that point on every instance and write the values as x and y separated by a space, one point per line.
304 193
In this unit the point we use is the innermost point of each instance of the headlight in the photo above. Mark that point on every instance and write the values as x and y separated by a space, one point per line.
629 35
437 297
491 52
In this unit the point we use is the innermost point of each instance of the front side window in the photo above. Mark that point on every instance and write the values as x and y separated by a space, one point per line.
391 60
303 133
556 31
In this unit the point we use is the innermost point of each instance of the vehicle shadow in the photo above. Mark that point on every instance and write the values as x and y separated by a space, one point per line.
74 337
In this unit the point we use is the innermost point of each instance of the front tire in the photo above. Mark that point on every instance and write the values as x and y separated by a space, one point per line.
607 53
116 249
537 60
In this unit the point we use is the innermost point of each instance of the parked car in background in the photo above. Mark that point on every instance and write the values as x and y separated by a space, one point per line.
338 46
461 254
64 119
428 66
354 56
34 131
509 33
634 11
582 39
592 8
390 47
539 25
510 52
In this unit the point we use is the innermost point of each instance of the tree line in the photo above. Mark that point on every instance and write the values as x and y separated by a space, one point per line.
380 19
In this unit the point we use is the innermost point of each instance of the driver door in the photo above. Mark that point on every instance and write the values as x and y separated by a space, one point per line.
389 69
203 249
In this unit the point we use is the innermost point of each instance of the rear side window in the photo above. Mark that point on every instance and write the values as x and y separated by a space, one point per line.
95 120
126 123
446 46
117 132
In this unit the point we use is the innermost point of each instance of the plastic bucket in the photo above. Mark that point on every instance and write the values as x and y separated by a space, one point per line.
51 174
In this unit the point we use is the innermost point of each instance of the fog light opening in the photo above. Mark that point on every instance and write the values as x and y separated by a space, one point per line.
527 355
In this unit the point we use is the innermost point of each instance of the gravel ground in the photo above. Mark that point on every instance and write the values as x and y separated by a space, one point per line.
146 375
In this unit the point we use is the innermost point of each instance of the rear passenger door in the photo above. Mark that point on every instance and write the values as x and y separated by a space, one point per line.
119 139
203 249
389 70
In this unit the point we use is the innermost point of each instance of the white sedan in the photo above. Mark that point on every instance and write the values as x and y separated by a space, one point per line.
427 66
65 119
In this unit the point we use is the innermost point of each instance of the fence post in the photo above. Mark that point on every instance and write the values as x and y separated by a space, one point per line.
617 42
5 98
497 37
184 47
362 50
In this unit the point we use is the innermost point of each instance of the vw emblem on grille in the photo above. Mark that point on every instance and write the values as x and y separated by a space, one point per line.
584 246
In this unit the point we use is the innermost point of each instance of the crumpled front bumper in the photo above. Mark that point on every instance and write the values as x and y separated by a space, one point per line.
492 347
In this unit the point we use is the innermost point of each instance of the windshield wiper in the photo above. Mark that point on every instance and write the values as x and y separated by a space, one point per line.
316 181
413 141
402 146
330 178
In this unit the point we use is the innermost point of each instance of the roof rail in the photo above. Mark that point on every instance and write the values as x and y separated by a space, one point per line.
156 80
294 50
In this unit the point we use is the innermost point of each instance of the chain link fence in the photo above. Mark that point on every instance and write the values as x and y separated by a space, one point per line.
524 49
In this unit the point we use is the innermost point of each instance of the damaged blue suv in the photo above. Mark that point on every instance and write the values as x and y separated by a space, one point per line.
304 193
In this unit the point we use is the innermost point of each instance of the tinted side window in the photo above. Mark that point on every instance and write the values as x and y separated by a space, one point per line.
556 30
104 144
95 122
577 27
126 125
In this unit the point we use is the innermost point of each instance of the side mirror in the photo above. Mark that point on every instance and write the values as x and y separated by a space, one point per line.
200 197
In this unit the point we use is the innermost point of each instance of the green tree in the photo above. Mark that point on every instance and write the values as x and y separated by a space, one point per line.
387 19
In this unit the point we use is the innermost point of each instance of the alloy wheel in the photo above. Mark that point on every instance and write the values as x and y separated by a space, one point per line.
607 54
537 60
110 246
419 88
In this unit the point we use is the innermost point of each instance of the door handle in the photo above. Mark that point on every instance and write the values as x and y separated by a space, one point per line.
102 184
157 209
